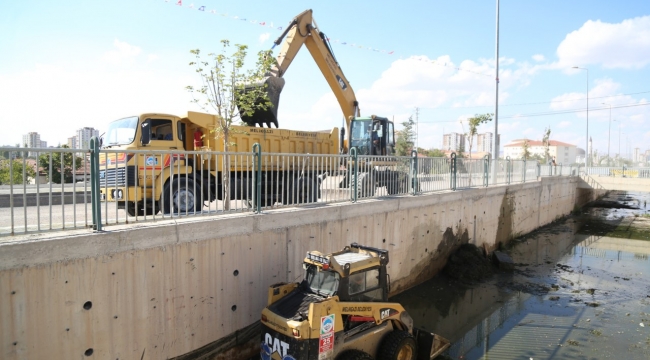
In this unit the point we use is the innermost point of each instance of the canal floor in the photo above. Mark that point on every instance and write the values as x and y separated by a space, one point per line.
580 290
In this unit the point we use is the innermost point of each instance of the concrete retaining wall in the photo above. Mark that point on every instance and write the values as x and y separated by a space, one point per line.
162 290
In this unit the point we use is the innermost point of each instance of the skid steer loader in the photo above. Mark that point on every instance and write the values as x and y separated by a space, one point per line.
340 311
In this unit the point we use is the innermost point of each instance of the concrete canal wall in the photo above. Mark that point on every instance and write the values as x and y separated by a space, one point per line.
163 290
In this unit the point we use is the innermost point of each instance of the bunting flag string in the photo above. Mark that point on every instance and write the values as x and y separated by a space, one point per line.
270 25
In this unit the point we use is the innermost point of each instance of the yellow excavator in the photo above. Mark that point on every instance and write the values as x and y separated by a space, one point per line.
340 311
374 135
302 30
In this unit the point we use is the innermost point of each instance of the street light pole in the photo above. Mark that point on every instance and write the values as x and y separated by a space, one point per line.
587 139
619 142
609 133
495 148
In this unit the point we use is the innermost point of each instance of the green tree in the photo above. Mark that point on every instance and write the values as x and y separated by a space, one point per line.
223 91
473 123
64 164
405 143
525 154
435 153
546 140
11 172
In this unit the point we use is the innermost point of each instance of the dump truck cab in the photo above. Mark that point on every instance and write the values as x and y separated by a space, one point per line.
340 310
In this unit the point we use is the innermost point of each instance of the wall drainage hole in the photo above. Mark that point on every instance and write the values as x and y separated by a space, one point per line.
88 305
88 352
234 307
236 272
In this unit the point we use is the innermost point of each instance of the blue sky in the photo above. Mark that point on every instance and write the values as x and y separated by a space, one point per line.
66 65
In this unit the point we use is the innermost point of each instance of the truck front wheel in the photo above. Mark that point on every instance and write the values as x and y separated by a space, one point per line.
137 208
182 196
398 345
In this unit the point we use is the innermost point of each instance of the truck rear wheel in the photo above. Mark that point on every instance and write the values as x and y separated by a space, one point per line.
182 196
397 345
354 355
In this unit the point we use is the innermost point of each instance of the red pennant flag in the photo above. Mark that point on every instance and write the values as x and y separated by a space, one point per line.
262 23
180 3
391 52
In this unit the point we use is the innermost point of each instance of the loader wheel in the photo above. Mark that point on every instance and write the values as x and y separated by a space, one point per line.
186 196
354 355
397 345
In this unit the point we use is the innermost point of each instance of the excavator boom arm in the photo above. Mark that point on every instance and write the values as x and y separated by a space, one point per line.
302 30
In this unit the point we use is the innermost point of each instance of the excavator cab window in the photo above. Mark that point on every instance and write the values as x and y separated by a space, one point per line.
360 136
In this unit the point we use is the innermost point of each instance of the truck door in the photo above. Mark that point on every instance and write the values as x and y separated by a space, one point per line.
163 137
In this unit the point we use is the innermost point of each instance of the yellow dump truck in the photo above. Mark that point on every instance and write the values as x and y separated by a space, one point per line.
150 180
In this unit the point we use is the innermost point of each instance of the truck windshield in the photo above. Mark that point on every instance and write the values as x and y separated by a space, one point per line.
360 136
121 132
322 282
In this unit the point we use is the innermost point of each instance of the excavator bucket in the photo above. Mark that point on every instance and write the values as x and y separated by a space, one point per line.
273 86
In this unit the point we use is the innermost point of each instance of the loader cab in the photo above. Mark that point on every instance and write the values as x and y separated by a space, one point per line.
372 136
351 275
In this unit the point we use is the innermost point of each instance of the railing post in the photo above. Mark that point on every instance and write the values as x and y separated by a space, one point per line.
257 173
486 169
508 170
524 172
539 169
452 171
414 172
94 184
354 174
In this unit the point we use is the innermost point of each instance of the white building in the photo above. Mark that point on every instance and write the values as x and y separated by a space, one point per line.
32 140
453 142
484 142
564 153
82 140
72 142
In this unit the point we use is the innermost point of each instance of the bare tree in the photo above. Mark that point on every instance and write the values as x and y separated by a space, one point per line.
525 150
223 91
547 142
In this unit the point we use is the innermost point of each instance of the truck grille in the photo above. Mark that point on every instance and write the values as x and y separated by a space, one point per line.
117 177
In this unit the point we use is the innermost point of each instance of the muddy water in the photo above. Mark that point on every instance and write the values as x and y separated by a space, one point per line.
580 290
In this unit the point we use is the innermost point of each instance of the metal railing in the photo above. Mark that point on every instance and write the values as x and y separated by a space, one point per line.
117 187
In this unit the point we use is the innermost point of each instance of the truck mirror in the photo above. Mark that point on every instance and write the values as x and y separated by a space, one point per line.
145 137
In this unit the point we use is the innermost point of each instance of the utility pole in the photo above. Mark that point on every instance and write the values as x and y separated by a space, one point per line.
495 150
417 128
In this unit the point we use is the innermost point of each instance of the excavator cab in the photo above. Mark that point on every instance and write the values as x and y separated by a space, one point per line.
372 136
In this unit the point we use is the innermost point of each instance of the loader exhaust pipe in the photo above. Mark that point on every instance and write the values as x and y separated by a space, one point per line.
273 87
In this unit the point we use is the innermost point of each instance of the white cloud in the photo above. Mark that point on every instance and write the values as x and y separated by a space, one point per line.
621 45
539 57
564 124
123 53
264 37
152 58
78 97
